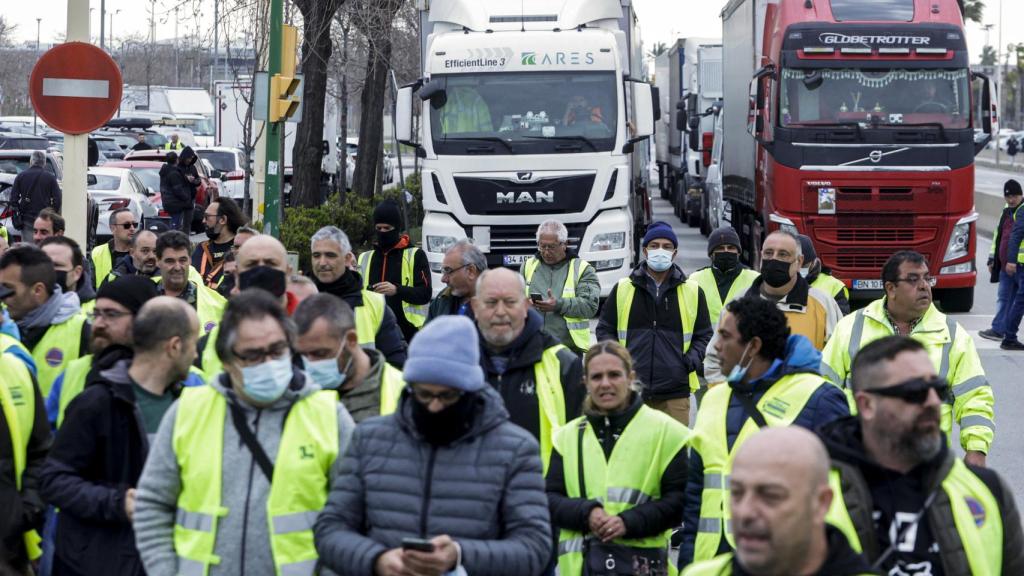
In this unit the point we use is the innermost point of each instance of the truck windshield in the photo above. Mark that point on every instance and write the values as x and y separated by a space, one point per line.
883 97
533 112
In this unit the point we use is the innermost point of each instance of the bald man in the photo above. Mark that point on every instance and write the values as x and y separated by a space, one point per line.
538 377
779 497
262 262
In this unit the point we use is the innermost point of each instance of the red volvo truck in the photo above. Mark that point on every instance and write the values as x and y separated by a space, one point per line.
860 133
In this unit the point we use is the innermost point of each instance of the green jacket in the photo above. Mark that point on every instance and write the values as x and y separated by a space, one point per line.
584 305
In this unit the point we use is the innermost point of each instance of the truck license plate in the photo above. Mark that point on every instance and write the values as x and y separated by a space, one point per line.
515 259
867 285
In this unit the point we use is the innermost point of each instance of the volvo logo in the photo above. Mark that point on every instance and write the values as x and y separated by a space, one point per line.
525 197
875 156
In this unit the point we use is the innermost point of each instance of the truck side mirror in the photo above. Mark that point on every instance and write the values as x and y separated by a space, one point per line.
643 106
693 140
403 115
325 148
681 120
989 112
435 92
656 100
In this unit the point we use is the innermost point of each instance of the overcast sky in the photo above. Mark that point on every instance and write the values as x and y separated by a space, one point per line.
662 20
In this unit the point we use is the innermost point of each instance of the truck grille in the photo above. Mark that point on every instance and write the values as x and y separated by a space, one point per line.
872 261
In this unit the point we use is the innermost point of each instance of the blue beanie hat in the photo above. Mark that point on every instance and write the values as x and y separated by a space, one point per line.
446 352
660 230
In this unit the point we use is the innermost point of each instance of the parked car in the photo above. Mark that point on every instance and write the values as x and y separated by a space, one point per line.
231 164
108 147
116 188
19 141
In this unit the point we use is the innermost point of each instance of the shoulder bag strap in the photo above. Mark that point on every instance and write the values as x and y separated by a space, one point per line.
258 453
579 461
751 409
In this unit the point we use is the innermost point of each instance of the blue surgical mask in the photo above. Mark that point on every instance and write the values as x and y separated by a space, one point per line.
659 260
267 381
325 373
739 371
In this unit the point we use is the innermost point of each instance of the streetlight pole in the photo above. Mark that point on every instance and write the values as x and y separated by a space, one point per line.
35 117
999 79
103 19
112 14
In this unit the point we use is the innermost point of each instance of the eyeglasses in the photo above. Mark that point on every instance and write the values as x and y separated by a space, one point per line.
128 225
548 247
272 352
208 216
425 397
108 315
449 271
916 279
915 390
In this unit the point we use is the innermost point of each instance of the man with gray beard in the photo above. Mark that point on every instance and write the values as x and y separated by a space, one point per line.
903 497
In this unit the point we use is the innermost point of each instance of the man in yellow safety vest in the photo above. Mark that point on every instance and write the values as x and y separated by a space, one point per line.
563 287
334 360
241 467
901 495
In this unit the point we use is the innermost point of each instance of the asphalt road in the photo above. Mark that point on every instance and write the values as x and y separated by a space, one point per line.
1003 368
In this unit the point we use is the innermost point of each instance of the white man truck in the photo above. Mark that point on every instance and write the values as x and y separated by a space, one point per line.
531 111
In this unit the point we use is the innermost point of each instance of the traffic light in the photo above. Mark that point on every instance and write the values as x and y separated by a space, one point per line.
283 99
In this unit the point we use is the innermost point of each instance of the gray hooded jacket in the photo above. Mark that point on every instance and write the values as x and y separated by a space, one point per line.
243 541
485 491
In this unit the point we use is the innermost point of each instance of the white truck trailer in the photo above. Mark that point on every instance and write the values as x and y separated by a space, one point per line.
532 111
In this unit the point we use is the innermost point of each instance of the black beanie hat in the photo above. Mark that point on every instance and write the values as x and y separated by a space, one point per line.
1012 188
723 235
129 291
807 247
388 212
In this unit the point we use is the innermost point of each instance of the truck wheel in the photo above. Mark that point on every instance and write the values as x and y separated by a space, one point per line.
955 299
705 223
693 215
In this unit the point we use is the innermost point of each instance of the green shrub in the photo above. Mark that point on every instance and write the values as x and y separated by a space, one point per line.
355 217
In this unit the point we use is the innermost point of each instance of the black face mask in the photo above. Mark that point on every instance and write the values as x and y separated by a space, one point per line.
388 239
448 425
725 261
264 277
62 279
775 272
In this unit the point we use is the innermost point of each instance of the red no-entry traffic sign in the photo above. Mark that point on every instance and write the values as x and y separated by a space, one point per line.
75 87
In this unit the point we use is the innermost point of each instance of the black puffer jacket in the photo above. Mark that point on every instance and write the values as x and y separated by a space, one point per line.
33 190
655 334
485 490
389 338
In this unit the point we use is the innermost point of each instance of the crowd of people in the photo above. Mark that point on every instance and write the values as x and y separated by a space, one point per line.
170 409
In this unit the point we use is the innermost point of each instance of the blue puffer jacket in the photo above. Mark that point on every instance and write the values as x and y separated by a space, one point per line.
828 403
485 490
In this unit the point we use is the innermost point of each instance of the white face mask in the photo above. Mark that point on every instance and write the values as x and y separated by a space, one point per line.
739 371
325 373
267 381
804 272
659 260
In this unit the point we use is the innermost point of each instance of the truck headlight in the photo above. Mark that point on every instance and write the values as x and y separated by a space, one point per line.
608 241
959 242
440 244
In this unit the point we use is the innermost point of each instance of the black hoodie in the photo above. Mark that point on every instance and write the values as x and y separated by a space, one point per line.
389 340
892 495
175 189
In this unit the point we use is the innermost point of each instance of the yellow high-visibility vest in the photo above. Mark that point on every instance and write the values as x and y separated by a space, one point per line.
579 328
416 314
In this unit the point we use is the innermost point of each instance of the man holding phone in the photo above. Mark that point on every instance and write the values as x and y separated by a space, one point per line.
563 287
483 511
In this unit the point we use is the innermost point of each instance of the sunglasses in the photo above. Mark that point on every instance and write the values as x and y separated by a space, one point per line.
128 225
915 390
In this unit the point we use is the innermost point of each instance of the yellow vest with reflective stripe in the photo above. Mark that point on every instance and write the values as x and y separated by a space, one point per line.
309 446
976 517
18 403
629 478
830 285
416 314
391 386
579 328
209 304
209 359
547 376
102 263
369 318
74 383
780 405
58 347
688 296
705 278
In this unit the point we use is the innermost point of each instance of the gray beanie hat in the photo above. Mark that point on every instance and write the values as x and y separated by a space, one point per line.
446 352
